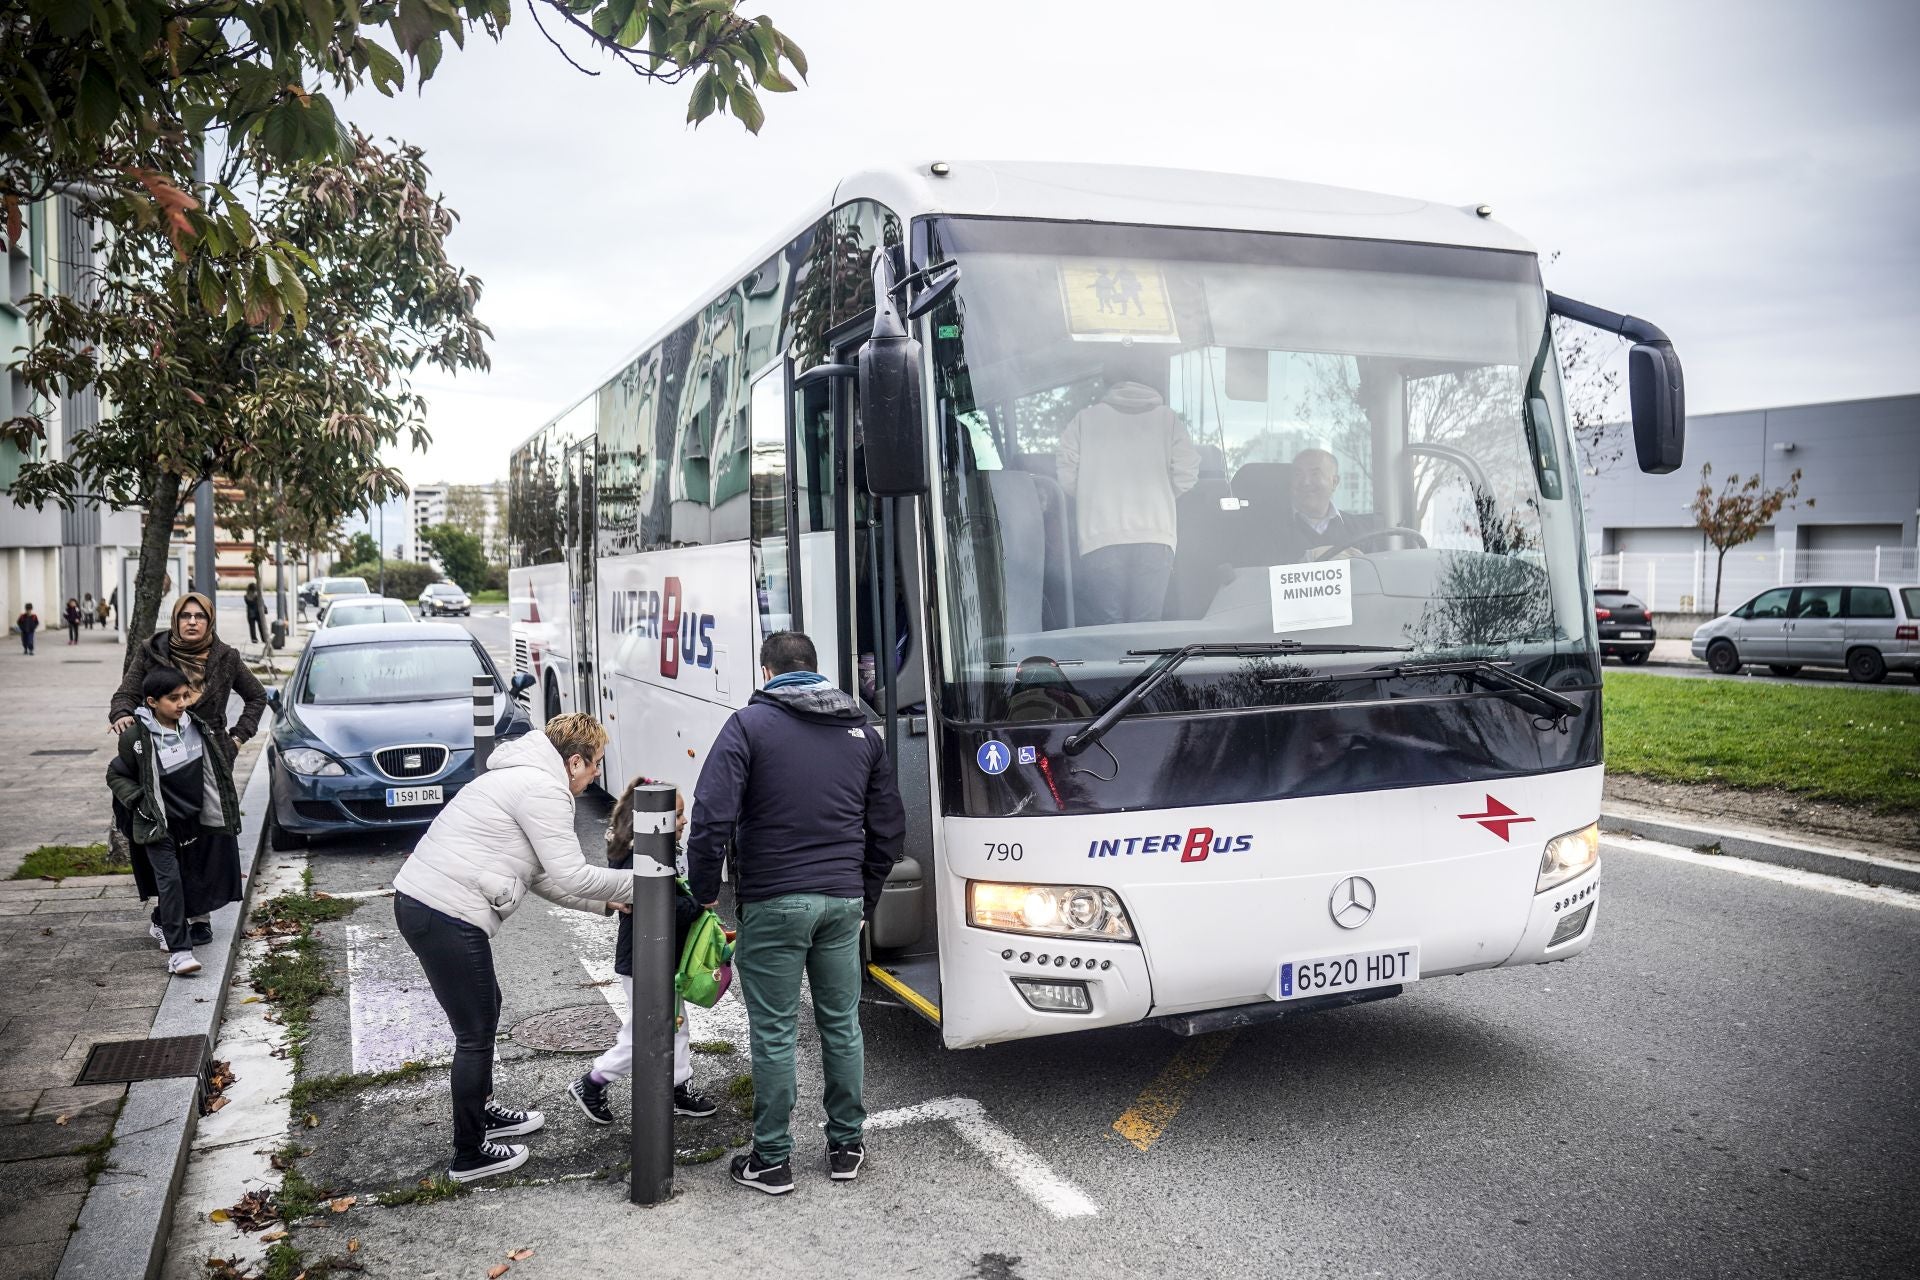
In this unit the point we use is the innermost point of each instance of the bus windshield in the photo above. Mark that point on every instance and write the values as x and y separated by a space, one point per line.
1155 437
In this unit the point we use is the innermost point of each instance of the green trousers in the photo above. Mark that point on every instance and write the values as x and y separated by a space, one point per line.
781 939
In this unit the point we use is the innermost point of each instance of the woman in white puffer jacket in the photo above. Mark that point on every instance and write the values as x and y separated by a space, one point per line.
506 832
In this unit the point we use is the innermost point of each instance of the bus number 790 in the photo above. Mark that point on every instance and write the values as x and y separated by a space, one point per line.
1003 852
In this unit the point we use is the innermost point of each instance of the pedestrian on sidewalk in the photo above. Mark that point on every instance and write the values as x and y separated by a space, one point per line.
213 668
590 1090
175 802
113 607
71 616
507 831
28 622
798 785
256 615
103 611
86 611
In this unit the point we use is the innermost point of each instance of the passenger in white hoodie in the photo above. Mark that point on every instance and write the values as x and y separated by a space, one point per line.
1125 459
506 832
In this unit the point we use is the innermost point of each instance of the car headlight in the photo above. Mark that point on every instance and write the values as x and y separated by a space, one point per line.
1568 856
311 763
1052 910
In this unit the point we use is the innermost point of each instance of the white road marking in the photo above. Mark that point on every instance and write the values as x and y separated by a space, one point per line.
1012 1157
394 1016
355 895
1881 894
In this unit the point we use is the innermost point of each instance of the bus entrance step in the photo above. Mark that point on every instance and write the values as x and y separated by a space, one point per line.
1252 1015
912 983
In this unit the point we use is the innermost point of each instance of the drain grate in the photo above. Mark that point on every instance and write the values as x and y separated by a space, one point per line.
124 1061
581 1028
63 751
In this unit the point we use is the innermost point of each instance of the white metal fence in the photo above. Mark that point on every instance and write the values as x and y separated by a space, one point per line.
1683 582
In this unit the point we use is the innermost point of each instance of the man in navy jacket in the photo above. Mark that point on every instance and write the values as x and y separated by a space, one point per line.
799 786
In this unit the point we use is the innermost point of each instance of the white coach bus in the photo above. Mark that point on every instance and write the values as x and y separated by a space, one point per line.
1208 550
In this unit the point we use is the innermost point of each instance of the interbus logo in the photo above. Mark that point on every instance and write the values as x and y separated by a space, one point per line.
684 636
1195 846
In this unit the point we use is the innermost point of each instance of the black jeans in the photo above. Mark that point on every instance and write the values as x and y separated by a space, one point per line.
459 964
170 908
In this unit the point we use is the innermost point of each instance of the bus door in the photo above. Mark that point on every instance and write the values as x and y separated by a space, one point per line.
580 541
845 567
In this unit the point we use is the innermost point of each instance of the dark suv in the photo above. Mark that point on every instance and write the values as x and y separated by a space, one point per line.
1626 628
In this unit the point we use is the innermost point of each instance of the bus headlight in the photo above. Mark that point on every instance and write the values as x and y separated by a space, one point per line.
1051 910
1568 855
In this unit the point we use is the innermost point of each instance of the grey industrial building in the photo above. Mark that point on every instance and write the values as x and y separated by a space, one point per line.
1860 465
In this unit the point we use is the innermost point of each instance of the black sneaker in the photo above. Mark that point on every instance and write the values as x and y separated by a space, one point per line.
200 933
774 1179
494 1158
843 1163
688 1103
505 1122
592 1099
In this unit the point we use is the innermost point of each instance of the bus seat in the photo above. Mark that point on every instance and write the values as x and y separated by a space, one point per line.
1266 489
897 920
1207 543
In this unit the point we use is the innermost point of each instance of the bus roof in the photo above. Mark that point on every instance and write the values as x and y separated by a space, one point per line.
1112 193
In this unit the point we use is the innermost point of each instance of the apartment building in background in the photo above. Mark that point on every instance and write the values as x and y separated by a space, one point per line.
481 509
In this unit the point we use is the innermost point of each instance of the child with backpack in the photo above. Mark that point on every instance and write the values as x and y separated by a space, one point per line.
28 622
590 1090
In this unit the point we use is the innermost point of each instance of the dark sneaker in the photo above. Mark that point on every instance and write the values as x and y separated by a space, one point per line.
505 1122
200 933
494 1158
688 1103
843 1163
774 1179
592 1099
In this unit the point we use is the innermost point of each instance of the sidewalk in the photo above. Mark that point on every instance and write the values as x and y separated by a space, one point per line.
79 964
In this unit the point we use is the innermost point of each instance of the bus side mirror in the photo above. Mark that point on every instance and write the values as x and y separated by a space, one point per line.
891 428
1659 396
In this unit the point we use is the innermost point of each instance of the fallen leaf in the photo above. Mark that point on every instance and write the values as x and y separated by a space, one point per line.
497 1270
519 1255
353 1245
343 1204
271 1236
218 1215
214 1104
61 1119
312 1121
251 1000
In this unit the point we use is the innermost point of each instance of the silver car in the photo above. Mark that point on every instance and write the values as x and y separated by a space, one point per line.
1866 628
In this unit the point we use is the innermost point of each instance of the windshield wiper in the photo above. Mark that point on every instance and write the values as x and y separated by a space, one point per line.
1495 676
1169 659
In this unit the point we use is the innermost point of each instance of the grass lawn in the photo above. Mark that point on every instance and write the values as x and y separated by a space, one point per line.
1860 746
63 860
488 597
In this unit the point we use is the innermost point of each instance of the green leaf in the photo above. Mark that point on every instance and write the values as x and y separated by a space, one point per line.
283 130
746 107
386 70
212 297
429 58
794 55
99 104
704 91
773 82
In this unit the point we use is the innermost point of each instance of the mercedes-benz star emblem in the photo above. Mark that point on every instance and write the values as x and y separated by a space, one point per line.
1352 902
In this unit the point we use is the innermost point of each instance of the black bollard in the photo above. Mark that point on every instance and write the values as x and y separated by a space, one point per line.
482 723
653 1011
653 824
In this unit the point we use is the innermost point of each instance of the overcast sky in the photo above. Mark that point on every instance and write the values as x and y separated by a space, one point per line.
1746 175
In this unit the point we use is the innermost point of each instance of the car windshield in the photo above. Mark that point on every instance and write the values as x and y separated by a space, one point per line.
356 615
1153 437
413 671
444 589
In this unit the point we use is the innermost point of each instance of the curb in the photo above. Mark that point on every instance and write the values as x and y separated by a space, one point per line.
1858 867
125 1219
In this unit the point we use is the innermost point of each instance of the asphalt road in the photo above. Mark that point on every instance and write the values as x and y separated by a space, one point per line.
1723 1086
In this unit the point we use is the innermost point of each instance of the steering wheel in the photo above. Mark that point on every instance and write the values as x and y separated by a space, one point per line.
1360 543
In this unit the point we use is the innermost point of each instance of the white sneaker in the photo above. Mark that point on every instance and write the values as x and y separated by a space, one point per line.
181 963
158 934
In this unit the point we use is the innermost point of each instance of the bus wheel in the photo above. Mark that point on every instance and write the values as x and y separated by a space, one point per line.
1867 666
1722 658
553 696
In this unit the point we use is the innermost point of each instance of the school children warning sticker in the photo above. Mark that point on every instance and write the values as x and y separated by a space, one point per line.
1112 299
1310 596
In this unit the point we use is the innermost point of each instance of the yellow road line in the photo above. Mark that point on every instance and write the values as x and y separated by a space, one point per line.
925 1007
1160 1102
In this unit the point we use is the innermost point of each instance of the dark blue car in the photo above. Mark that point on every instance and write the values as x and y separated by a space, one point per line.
374 731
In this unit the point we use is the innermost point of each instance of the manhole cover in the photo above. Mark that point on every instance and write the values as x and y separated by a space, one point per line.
122 1061
580 1028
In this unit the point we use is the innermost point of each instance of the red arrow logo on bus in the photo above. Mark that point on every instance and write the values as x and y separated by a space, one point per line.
1497 819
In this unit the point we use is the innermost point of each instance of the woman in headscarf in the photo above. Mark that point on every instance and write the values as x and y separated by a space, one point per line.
213 669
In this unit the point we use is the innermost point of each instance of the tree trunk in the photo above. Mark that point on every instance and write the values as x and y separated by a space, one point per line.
156 534
1719 571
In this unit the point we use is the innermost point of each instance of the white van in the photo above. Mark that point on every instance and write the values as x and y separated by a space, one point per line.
1866 628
